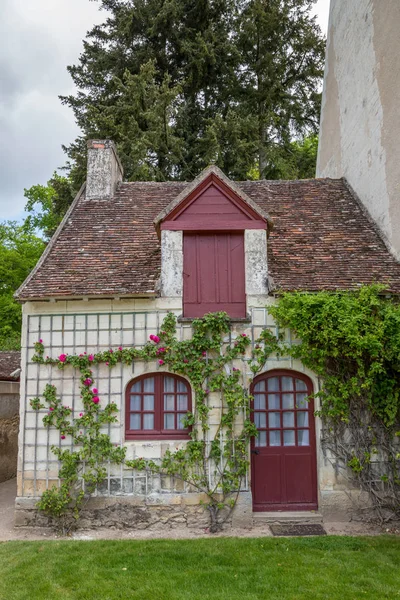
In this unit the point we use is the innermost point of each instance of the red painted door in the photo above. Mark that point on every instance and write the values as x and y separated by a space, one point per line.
283 464
213 274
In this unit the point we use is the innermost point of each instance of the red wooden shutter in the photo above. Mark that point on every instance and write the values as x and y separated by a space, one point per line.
213 274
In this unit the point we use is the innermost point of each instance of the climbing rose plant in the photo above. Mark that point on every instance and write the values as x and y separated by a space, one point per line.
206 360
352 341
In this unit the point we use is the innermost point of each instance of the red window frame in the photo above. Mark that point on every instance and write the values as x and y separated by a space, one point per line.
159 432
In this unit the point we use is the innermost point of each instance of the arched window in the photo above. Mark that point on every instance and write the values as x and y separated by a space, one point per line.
156 406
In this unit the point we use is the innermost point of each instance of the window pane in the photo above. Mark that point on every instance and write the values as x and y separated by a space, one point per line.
287 400
301 401
149 384
181 418
274 438
261 439
136 402
169 384
182 387
287 384
135 422
273 401
169 402
137 387
288 438
260 386
273 384
260 420
259 401
288 419
182 402
300 385
302 419
148 403
169 421
148 421
274 419
303 437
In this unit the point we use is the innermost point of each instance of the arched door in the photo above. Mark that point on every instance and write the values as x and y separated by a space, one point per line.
283 456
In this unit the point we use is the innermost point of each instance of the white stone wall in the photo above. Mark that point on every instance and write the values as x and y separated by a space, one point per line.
77 327
360 125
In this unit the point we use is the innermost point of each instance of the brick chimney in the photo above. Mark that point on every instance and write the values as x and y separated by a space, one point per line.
104 170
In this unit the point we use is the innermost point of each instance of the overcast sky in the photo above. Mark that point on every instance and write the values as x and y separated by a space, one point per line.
38 39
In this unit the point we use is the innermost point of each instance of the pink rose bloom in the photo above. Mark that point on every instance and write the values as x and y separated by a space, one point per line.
40 341
235 369
244 335
204 353
62 358
111 351
154 338
96 399
160 350
161 362
63 437
81 414
107 364
51 408
185 360
95 391
87 382
120 348
91 357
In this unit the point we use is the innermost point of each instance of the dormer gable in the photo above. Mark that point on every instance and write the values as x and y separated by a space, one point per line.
212 201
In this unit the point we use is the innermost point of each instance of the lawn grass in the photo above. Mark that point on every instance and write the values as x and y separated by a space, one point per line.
331 568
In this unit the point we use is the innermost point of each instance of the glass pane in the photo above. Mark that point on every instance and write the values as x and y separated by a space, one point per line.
169 384
273 384
182 387
148 403
274 419
260 420
261 439
287 400
302 419
287 384
182 402
303 437
301 401
288 419
273 401
300 386
149 384
148 421
137 387
169 421
288 438
181 418
135 422
260 386
169 402
259 401
136 402
274 438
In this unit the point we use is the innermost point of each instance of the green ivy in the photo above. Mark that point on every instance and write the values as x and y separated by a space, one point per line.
207 361
351 340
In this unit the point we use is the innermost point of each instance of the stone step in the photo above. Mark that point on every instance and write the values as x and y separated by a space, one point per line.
293 516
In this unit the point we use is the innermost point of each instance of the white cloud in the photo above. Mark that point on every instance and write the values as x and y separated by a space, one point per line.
38 39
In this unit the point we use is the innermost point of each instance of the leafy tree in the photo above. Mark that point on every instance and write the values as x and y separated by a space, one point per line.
183 83
19 252
47 204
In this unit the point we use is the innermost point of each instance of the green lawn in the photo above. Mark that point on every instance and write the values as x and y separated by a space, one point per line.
219 569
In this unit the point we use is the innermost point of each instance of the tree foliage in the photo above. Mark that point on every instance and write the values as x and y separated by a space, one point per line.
183 83
352 341
20 249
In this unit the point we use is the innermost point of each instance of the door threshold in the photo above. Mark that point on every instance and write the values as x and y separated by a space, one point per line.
288 516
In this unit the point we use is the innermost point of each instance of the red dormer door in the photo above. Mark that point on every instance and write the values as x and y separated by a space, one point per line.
214 273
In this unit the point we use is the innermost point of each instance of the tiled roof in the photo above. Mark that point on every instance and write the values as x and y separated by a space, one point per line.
321 239
9 362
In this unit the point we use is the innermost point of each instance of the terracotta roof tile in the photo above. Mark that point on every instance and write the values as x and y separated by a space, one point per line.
9 362
321 239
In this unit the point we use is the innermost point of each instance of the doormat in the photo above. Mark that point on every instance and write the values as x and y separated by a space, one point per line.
299 529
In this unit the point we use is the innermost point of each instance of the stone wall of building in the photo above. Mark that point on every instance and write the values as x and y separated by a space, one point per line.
359 120
9 423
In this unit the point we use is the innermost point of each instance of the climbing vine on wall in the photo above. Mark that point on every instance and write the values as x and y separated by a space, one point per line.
352 341
207 361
